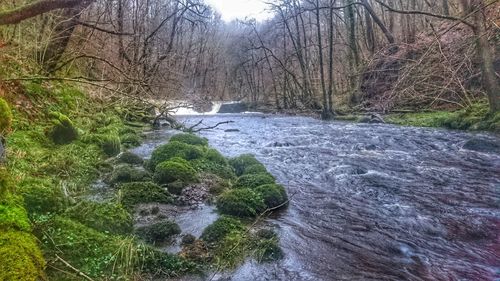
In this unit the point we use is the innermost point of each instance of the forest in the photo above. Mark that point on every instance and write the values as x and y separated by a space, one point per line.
84 82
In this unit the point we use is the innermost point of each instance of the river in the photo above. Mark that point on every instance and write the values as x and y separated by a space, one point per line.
370 202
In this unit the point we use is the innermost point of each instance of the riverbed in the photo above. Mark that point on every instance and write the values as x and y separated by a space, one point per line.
369 202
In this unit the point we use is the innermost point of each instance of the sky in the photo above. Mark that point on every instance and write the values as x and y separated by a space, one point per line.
239 9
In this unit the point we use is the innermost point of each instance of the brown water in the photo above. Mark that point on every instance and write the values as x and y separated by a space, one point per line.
371 202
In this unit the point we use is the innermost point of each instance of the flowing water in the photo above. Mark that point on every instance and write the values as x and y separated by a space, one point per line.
371 202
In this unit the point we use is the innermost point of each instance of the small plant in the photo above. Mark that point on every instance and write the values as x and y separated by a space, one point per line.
222 227
143 192
242 202
171 150
63 130
161 232
171 171
189 139
242 162
254 180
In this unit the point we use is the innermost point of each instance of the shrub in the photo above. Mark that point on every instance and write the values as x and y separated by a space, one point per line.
206 166
222 227
273 194
159 232
131 158
242 202
63 130
108 217
173 149
170 171
241 162
254 180
111 145
191 139
143 192
21 257
125 173
5 117
255 169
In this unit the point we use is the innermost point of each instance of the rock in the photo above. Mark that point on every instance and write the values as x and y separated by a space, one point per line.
2 150
231 130
280 144
372 119
482 145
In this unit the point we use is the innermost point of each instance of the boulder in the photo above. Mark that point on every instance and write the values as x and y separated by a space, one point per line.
482 145
372 119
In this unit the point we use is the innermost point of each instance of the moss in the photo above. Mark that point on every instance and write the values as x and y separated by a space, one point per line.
126 173
21 257
111 145
266 248
274 195
214 156
63 131
128 157
107 217
5 117
254 180
242 162
242 202
189 139
42 197
255 169
143 192
162 264
161 232
203 165
171 150
170 171
130 140
5 182
222 227
188 239
13 216
176 187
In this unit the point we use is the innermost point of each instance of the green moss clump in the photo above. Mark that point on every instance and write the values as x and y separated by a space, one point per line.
274 195
161 232
5 182
130 140
221 228
63 130
143 192
170 171
161 264
242 202
125 173
214 156
176 187
5 117
42 197
107 217
191 139
242 162
173 149
21 257
266 245
254 180
111 145
203 165
255 169
131 158
13 216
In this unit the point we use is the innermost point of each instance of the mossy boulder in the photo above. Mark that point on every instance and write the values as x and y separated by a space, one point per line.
41 197
5 182
161 232
13 216
171 171
126 173
130 140
215 156
176 187
131 158
174 149
143 192
5 117
274 195
111 145
107 217
21 257
63 131
190 139
242 162
243 202
221 228
255 169
266 245
204 165
254 180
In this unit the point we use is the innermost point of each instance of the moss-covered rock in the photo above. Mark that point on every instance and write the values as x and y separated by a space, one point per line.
222 227
255 169
266 245
215 156
130 140
5 117
242 202
189 139
171 171
108 217
203 165
41 197
274 195
143 192
176 187
161 232
21 257
111 145
13 216
196 251
171 150
162 264
242 162
131 158
5 182
63 131
126 173
254 180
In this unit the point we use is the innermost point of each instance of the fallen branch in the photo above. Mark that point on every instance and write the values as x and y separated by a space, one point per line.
193 130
